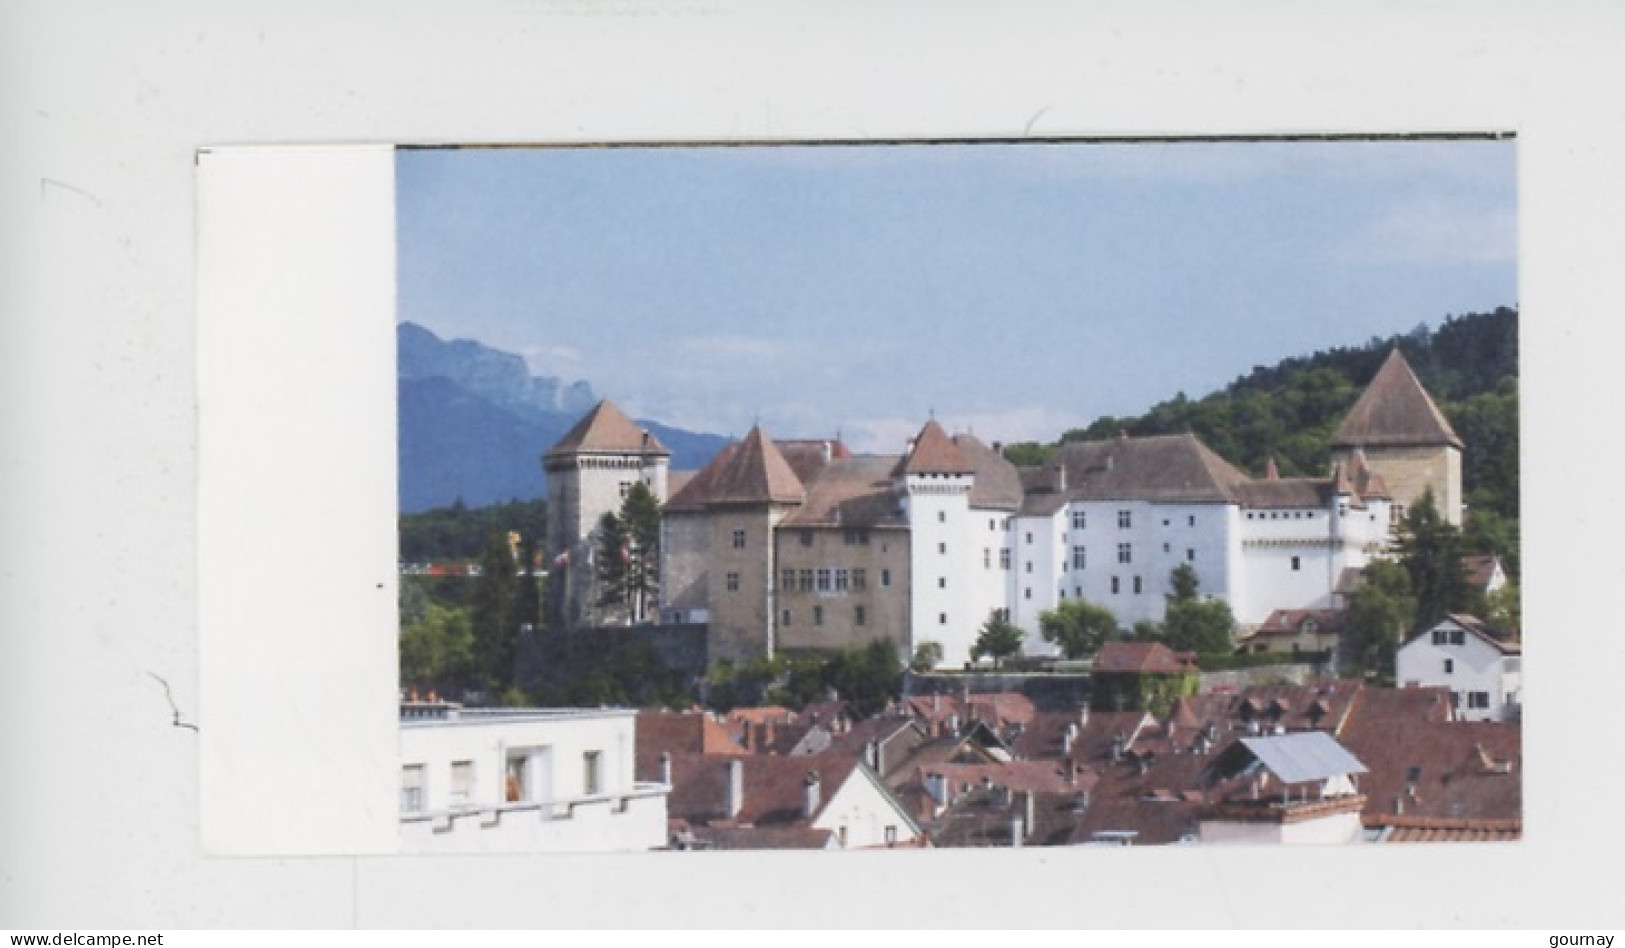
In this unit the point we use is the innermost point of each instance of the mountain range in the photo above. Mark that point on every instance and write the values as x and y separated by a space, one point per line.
473 423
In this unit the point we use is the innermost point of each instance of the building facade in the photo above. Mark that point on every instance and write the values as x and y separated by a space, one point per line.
802 545
524 780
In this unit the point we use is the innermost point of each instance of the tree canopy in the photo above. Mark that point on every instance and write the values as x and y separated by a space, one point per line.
1078 626
999 639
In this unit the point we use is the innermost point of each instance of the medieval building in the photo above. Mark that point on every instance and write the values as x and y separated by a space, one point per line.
792 545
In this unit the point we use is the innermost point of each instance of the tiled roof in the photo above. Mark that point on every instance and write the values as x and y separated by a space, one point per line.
1290 621
1394 410
723 838
1292 492
1164 468
853 492
1406 829
808 456
1505 641
1142 657
774 787
689 732
1453 770
607 430
983 817
998 484
750 472
936 453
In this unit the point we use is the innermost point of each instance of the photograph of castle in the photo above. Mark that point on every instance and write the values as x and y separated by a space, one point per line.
928 495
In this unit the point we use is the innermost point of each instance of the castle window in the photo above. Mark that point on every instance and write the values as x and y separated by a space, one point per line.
1166 547
942 547
1079 557
1125 519
992 524
1029 538
818 615
1027 593
1296 564
942 618
859 616
1115 589
1478 699
806 538
739 539
841 580
1079 520
1125 552
823 580
1449 666
885 577
1191 520
733 582
1004 558
942 582
786 621
942 516
1136 584
860 579
987 558
788 581
806 583
1190 555
626 488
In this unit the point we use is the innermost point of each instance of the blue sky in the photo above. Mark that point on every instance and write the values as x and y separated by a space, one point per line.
1015 290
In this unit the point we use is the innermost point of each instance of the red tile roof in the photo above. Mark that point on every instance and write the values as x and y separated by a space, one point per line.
1394 410
853 492
1450 770
1290 621
688 732
1146 658
607 430
750 472
936 453
1168 468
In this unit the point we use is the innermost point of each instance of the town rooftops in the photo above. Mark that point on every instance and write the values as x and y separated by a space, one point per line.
1303 756
607 430
851 492
1394 410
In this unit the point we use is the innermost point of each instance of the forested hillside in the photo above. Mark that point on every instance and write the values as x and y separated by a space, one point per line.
1288 412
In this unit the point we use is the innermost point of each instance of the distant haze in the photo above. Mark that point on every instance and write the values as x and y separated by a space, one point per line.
1012 290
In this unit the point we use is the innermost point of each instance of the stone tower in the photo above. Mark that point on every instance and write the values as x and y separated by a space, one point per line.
589 472
1405 440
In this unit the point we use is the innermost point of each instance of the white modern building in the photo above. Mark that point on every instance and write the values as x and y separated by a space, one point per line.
1481 665
524 781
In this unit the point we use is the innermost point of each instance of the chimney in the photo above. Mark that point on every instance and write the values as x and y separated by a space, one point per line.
829 452
1015 832
953 724
665 768
1067 737
735 800
1029 812
1083 716
1271 472
768 734
1058 479
1118 745
871 755
998 448
809 797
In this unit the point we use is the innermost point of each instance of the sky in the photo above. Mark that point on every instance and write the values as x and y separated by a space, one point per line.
1012 290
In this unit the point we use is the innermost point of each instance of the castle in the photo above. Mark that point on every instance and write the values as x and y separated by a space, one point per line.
794 545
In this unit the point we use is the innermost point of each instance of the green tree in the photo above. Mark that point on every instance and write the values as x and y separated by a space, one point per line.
1184 583
927 655
436 648
1193 625
1380 613
611 559
1078 626
866 678
1504 607
496 627
999 639
640 515
1430 550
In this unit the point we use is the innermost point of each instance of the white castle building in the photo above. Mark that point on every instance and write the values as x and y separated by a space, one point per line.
802 545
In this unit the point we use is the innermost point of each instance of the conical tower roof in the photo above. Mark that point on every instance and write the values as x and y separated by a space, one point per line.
607 430
1395 410
936 453
755 471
